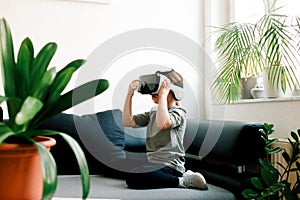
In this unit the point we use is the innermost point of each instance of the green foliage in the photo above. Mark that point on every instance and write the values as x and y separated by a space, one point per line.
246 50
273 182
33 93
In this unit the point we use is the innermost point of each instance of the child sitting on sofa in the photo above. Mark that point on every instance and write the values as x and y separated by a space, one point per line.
166 124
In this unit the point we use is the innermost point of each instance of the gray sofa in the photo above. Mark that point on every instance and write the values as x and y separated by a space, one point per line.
225 152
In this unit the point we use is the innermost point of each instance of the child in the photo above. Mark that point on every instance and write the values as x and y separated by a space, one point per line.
164 143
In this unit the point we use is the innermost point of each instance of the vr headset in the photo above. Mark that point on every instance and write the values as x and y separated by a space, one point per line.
151 83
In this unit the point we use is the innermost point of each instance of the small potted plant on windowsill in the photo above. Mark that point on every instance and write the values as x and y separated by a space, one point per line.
33 94
258 91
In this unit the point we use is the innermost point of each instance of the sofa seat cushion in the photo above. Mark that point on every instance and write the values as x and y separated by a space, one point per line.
112 188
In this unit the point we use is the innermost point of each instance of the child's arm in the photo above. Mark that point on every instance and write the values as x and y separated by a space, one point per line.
127 118
163 120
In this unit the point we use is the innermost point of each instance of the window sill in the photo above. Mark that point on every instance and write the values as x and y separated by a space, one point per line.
269 100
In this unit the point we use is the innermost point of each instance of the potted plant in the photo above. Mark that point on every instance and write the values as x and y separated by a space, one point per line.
258 91
271 46
33 94
275 183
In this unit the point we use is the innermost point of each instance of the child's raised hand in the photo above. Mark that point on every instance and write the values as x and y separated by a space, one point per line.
133 86
165 88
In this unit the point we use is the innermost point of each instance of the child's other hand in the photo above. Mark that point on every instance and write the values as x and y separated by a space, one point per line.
165 88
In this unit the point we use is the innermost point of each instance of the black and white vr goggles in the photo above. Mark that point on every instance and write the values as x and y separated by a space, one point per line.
151 83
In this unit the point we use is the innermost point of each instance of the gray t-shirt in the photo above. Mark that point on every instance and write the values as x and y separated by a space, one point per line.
165 146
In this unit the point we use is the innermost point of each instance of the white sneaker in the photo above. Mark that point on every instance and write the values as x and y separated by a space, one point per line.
194 180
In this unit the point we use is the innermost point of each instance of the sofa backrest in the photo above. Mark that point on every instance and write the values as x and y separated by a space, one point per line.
235 142
234 146
231 142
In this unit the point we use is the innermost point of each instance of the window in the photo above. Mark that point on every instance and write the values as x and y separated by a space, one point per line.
252 10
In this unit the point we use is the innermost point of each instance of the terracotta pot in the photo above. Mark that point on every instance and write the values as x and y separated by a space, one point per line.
21 173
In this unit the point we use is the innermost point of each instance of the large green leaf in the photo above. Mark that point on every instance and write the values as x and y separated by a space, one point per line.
58 86
295 136
41 62
5 132
249 194
269 176
277 187
286 156
74 64
31 106
256 182
62 79
25 58
272 141
273 150
49 171
82 93
77 96
2 98
269 173
7 58
84 170
7 62
267 192
15 106
40 90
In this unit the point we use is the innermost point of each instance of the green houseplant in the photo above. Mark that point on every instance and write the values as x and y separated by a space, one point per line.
275 183
271 46
33 94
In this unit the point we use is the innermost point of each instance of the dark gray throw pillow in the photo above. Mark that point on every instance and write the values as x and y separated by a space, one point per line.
101 136
111 123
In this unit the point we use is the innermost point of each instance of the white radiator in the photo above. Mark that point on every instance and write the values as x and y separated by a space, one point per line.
277 158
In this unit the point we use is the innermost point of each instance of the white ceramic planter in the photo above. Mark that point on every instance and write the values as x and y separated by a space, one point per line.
271 92
258 93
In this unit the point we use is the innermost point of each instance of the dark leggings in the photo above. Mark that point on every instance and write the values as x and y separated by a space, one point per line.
153 176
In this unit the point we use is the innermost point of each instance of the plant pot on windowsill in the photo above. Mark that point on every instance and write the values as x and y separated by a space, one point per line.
21 172
247 85
275 90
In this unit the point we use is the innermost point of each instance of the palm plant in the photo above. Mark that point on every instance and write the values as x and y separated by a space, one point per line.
246 50
33 94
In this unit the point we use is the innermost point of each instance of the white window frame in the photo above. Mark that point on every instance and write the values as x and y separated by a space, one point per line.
90 1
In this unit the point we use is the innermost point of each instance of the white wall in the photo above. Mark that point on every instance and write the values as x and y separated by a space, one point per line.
80 29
